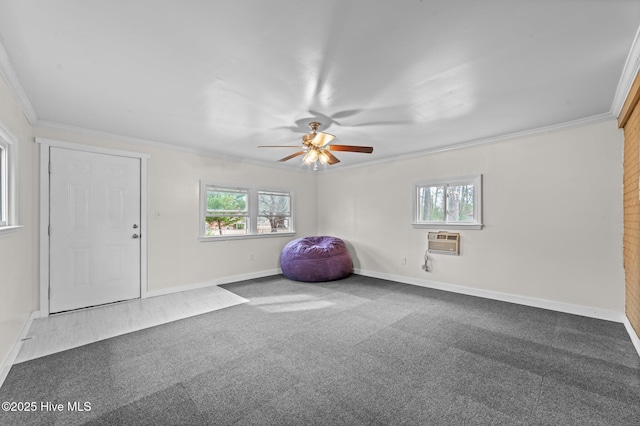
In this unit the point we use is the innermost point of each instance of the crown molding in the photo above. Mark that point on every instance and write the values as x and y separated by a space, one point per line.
629 73
303 168
499 138
44 125
10 76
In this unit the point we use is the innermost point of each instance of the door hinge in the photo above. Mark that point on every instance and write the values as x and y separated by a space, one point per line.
49 230
49 167
49 293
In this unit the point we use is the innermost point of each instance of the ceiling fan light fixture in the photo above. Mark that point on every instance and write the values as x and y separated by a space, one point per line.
316 147
321 139
311 156
323 157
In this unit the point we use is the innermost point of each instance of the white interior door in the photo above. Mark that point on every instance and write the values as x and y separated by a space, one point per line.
94 224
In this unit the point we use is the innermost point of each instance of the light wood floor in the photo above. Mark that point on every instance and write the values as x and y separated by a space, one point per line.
60 332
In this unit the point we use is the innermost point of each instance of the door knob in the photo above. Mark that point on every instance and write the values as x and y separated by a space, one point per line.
135 236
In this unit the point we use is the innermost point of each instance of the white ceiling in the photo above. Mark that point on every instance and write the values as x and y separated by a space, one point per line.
402 76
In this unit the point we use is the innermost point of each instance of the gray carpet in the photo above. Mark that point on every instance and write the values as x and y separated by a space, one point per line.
359 351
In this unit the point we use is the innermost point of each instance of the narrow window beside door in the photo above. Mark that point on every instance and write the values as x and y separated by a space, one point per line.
8 173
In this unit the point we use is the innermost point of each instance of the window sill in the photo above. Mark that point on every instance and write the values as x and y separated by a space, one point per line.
447 225
6 230
246 237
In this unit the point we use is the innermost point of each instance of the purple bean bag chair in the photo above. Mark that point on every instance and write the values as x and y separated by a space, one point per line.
314 259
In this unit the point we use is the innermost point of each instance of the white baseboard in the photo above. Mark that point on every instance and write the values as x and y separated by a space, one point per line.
10 359
632 333
552 305
220 281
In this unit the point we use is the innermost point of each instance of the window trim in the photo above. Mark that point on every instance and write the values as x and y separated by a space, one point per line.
476 180
253 207
9 145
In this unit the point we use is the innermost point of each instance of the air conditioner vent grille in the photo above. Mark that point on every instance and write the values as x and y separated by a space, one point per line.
443 242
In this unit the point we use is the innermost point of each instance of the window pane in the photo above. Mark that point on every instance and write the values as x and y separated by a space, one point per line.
272 224
273 203
227 212
431 203
224 201
274 211
3 186
225 225
460 203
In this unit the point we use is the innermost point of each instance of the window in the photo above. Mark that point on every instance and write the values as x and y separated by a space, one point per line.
452 203
3 183
8 164
274 211
228 212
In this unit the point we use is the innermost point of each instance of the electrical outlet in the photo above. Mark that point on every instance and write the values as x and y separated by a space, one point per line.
250 257
404 261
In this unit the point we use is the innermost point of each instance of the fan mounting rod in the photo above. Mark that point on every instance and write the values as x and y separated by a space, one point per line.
314 125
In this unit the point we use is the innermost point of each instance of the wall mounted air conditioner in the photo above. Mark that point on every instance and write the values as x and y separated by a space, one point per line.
443 243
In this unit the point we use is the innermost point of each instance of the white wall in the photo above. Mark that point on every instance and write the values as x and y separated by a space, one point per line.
552 215
552 210
18 250
176 257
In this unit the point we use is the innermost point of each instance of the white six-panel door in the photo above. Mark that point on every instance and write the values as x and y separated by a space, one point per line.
94 224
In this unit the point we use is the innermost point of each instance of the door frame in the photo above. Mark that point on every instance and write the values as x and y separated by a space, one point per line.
45 145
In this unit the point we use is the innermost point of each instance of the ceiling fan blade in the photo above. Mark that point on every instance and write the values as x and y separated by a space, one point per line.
291 156
321 139
332 158
352 148
279 146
